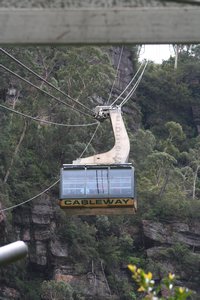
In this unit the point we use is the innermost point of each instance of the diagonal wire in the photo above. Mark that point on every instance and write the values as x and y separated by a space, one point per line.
51 186
30 199
128 85
134 87
132 91
90 140
45 121
44 92
120 57
44 80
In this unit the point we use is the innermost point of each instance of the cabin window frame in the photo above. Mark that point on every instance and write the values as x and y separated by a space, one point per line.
85 170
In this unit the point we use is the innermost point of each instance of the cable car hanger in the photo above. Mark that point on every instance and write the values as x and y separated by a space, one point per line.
102 183
120 152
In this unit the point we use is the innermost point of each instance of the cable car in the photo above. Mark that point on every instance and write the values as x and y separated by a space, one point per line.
97 189
103 183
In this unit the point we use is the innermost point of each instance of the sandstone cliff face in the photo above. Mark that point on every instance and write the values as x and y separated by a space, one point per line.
92 284
36 226
122 60
174 247
172 233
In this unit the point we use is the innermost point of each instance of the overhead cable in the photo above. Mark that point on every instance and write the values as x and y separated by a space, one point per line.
51 186
44 92
134 87
128 84
44 80
45 121
131 92
90 140
30 199
119 61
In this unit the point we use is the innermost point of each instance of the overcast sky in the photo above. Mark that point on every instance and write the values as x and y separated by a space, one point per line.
157 53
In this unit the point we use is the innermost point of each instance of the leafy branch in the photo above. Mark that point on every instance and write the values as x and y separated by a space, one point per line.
151 291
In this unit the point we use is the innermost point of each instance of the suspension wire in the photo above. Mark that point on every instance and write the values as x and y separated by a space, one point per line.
132 91
44 92
56 182
98 124
134 87
90 140
119 61
30 199
51 186
45 121
44 80
127 85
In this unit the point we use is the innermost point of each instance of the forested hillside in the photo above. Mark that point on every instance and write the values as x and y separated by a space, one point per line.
86 257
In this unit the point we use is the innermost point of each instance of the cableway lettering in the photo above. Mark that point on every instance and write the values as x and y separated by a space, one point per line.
96 202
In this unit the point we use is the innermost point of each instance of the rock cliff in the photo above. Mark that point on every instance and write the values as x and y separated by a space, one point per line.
173 232
174 247
37 222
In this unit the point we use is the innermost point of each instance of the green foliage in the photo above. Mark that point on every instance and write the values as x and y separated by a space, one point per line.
142 145
164 98
82 72
165 152
29 289
186 260
133 260
80 237
175 131
167 178
152 292
56 290
122 287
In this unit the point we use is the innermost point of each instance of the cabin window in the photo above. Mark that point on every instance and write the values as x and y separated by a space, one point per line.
73 183
97 182
121 181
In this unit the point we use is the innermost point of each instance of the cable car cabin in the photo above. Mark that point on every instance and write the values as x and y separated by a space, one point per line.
97 189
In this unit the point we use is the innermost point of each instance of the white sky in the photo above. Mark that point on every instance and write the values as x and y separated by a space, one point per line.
156 53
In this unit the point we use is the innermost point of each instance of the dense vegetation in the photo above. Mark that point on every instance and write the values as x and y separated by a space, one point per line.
165 151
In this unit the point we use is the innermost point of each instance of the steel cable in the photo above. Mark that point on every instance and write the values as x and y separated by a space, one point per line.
44 92
45 121
127 85
134 87
44 80
51 186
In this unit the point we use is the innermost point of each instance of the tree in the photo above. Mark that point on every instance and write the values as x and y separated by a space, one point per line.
83 73
192 170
